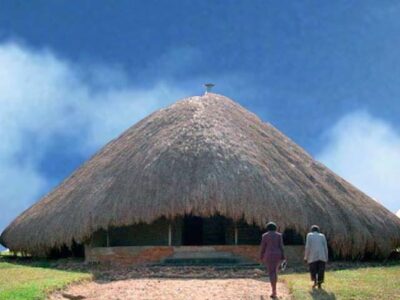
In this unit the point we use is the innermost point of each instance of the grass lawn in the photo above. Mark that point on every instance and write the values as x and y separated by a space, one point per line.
380 282
18 281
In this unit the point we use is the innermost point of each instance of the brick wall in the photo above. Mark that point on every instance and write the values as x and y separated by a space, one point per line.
139 255
128 255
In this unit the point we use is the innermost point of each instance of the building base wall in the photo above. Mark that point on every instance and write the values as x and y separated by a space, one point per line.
142 255
133 255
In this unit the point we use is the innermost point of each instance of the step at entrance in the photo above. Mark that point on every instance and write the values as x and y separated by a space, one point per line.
203 256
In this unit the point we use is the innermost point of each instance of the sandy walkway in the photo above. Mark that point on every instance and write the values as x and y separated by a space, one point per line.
172 289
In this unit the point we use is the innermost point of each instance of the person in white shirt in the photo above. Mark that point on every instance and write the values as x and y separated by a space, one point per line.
316 255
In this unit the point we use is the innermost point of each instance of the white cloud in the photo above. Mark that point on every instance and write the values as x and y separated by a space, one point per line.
43 97
366 152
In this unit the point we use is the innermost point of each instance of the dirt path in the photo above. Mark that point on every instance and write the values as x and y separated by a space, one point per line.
172 289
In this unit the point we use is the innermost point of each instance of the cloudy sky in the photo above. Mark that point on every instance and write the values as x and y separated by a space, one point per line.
73 76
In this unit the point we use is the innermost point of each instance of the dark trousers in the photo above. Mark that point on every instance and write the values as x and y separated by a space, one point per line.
317 271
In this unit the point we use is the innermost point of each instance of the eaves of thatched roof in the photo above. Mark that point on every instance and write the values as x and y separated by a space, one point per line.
205 155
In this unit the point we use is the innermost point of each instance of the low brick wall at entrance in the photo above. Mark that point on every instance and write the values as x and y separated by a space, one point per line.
141 255
137 255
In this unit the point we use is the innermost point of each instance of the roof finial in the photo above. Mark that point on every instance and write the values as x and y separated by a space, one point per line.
209 86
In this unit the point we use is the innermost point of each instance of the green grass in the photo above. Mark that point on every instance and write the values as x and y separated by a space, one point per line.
381 282
7 253
26 282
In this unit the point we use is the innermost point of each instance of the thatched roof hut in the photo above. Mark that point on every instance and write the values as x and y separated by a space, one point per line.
205 155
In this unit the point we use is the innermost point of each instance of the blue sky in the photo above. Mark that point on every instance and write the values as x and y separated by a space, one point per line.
74 75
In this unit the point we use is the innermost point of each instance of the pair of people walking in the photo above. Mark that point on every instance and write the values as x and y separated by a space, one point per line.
272 254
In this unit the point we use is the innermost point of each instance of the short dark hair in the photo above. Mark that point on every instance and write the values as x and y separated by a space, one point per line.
315 228
271 226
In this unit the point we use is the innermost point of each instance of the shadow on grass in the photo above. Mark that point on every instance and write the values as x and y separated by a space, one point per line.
72 297
321 294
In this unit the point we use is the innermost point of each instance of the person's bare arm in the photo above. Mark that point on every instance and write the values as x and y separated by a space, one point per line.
282 248
263 246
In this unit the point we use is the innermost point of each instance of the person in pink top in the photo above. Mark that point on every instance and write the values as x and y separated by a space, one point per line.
272 254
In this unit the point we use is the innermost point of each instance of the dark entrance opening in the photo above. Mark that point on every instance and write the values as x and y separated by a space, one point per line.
192 233
214 229
291 237
205 231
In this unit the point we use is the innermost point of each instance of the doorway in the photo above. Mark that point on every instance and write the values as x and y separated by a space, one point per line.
198 231
192 233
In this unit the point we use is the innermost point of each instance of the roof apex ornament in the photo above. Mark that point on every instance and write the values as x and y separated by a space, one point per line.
208 87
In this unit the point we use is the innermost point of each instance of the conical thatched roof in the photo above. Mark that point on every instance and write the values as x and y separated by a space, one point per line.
204 155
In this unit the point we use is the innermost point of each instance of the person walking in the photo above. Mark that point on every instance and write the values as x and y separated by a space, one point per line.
272 254
316 255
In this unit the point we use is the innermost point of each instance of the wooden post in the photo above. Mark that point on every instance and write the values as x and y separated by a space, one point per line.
108 239
169 234
236 235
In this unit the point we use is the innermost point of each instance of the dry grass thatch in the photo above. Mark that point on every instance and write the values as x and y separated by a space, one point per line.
204 155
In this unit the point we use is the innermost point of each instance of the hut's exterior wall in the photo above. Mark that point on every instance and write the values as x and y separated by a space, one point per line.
154 234
216 230
177 226
98 239
248 234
